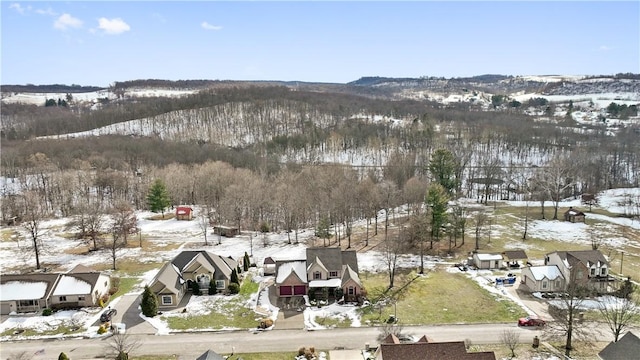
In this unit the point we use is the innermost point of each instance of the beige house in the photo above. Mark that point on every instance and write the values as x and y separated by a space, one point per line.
547 278
80 288
585 267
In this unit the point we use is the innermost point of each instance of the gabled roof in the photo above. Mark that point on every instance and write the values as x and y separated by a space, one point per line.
550 272
333 257
627 347
349 274
515 254
574 212
196 263
72 285
297 268
587 257
81 269
269 261
183 210
27 286
486 257
222 264
210 355
317 262
169 278
430 351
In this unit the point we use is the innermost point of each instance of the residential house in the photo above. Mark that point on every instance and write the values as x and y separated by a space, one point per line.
627 347
26 292
546 278
515 258
319 275
80 287
226 231
584 267
330 268
175 278
574 215
184 213
211 355
487 261
424 349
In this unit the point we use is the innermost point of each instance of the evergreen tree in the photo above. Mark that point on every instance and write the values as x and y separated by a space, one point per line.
239 269
158 197
323 230
149 303
63 356
195 288
212 287
246 262
443 166
437 201
234 277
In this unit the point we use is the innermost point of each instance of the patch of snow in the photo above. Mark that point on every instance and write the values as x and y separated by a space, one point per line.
22 290
69 285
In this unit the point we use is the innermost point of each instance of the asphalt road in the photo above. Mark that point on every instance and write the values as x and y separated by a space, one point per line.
191 345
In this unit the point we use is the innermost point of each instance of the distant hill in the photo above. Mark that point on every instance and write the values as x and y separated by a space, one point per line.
54 88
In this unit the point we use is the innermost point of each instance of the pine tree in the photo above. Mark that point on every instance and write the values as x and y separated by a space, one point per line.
246 262
158 197
212 287
149 303
234 277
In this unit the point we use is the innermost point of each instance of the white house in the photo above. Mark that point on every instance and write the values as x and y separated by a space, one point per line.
487 261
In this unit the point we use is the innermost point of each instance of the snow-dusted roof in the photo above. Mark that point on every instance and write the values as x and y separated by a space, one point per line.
22 290
484 257
69 285
325 283
297 267
550 272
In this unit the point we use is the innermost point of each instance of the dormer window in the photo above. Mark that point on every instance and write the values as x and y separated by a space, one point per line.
317 275
603 271
333 274
593 272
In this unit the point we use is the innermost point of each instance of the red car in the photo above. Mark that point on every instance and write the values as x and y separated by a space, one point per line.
531 321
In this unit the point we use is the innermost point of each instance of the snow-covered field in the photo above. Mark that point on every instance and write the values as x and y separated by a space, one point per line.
188 235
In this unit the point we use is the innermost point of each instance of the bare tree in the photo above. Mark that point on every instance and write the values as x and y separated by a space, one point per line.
32 221
480 220
391 249
88 223
125 221
511 339
121 345
620 312
556 179
203 222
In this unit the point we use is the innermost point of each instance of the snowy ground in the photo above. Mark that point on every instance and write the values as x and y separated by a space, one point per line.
188 235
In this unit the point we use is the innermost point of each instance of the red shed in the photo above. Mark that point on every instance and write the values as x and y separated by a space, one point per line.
184 213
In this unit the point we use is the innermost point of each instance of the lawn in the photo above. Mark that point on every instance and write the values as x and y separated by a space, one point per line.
438 298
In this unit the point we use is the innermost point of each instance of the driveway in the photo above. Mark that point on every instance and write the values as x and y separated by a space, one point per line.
129 314
538 306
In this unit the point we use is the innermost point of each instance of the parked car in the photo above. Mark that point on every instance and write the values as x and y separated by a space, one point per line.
107 315
531 321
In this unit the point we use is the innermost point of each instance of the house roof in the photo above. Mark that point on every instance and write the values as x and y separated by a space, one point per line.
210 355
488 256
329 283
515 254
71 285
27 286
298 268
586 257
627 347
430 351
550 272
574 212
183 210
81 269
269 260
169 277
333 257
222 264
349 274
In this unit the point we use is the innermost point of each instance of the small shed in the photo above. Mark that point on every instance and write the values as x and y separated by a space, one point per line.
226 231
487 261
515 258
269 266
184 213
574 215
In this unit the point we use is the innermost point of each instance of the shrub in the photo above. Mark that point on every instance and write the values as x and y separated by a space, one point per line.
113 290
105 298
195 288
47 312
264 227
63 356
102 329
234 288
149 303
115 281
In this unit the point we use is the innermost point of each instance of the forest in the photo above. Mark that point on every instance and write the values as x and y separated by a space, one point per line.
272 157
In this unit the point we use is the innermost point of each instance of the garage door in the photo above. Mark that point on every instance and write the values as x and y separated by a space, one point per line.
285 290
299 290
5 308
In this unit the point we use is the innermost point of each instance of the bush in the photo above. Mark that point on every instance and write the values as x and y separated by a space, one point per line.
113 290
149 303
63 356
105 299
102 329
234 288
47 312
264 227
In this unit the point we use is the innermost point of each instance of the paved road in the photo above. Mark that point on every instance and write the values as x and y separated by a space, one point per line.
191 345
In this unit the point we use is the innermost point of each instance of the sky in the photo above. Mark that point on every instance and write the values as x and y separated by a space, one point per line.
97 43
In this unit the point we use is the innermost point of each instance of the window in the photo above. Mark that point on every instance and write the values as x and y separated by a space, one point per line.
220 284
557 284
62 298
80 298
27 303
105 284
545 285
603 271
317 275
167 300
593 271
333 274
351 290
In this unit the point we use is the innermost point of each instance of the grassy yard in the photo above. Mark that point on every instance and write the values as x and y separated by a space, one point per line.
61 329
439 298
245 356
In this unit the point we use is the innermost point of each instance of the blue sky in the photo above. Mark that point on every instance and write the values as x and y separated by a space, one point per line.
97 43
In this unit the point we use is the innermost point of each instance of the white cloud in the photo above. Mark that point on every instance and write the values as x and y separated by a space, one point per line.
17 7
66 21
47 11
113 26
604 48
205 25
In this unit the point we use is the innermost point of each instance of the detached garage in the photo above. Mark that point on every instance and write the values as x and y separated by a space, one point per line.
487 261
291 279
